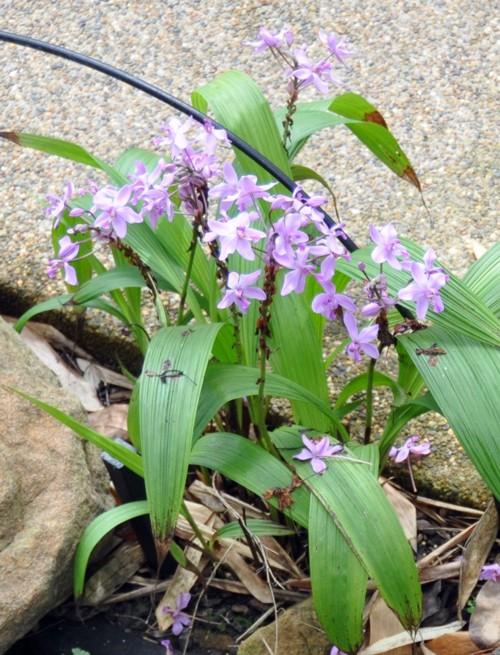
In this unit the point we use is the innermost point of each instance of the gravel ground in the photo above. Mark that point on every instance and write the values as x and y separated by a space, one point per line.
429 67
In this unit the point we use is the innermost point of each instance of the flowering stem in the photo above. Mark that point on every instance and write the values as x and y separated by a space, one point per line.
412 480
369 400
189 268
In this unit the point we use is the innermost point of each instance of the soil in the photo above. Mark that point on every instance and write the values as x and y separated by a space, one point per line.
128 629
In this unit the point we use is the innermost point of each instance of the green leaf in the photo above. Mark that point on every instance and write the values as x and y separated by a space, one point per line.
482 279
350 494
98 529
225 382
464 383
373 132
51 304
334 565
301 173
309 118
338 580
60 148
130 459
170 387
257 527
464 313
250 466
359 383
118 277
239 105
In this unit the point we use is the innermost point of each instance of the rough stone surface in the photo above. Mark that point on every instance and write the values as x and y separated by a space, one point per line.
51 485
298 632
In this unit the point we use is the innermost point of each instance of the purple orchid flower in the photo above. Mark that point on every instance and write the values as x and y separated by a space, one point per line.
388 246
316 450
68 251
410 446
181 620
268 39
169 648
360 341
336 651
336 46
235 235
424 290
490 572
239 289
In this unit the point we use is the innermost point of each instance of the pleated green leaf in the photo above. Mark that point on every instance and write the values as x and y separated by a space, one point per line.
483 279
373 132
239 105
251 467
225 382
170 387
119 277
257 527
359 383
309 118
464 383
56 303
95 531
60 148
351 496
338 579
464 313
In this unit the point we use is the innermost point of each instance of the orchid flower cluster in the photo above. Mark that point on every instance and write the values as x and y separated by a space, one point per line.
280 231
193 179
300 70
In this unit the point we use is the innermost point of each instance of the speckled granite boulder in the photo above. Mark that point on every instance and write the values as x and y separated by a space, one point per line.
51 485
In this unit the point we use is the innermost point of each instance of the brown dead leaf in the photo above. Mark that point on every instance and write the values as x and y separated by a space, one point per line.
256 586
382 647
110 421
410 176
124 562
406 512
484 625
455 643
475 553
477 248
383 624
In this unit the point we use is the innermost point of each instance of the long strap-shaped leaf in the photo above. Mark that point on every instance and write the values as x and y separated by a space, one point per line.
355 502
171 384
464 380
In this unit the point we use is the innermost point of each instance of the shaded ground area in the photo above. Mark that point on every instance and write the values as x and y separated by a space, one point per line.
127 629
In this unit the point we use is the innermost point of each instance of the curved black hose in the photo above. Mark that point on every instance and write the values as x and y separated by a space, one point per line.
179 105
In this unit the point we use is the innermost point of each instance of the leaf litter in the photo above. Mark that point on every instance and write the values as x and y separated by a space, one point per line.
452 544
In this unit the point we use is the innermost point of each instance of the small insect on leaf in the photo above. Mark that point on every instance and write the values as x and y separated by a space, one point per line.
431 353
168 373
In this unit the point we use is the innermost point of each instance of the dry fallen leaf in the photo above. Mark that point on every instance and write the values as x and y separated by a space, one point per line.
406 513
475 553
484 625
383 624
455 643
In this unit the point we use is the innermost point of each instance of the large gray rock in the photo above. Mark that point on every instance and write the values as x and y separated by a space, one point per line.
51 485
